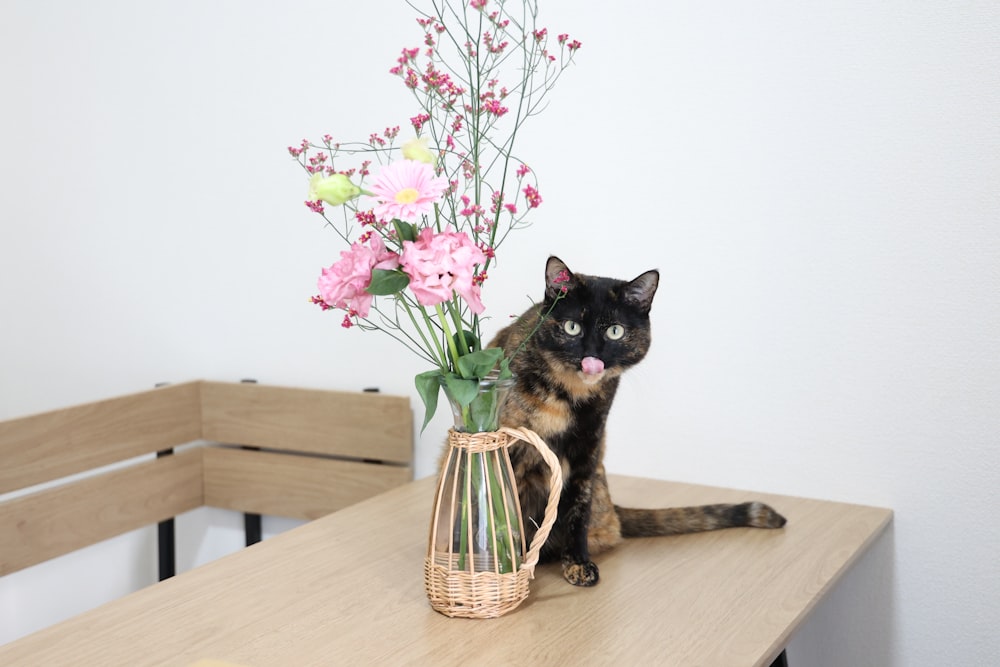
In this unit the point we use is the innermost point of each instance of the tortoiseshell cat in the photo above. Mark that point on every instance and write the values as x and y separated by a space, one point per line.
567 375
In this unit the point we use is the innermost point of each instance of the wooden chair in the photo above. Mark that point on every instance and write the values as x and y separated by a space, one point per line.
257 449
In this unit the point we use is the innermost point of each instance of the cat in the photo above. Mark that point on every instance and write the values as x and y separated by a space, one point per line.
567 373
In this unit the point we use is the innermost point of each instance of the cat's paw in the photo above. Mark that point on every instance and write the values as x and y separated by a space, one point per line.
581 574
760 515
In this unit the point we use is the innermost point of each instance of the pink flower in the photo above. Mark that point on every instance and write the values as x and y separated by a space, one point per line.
531 195
343 284
407 189
442 264
419 120
494 107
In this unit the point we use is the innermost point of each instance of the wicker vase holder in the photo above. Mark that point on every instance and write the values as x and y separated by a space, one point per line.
476 566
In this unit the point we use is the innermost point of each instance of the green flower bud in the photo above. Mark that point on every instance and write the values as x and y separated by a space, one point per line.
416 149
334 190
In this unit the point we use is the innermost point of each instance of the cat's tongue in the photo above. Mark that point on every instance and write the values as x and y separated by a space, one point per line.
592 366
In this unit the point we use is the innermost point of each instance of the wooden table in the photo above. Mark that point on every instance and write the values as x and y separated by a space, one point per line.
348 589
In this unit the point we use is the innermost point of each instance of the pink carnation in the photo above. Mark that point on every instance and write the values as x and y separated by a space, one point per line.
440 264
343 284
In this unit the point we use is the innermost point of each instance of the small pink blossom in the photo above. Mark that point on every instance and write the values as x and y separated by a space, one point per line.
343 284
318 300
419 120
366 218
442 264
531 195
494 107
406 189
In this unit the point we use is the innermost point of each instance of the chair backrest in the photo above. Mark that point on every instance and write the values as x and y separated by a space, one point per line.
82 474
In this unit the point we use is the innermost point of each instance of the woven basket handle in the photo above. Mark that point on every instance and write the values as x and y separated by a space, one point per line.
555 488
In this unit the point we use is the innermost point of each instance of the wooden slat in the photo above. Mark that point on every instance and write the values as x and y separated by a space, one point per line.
356 425
301 487
56 521
55 444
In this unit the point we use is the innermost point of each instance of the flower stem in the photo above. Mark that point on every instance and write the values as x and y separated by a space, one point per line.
463 344
499 518
442 359
541 320
449 338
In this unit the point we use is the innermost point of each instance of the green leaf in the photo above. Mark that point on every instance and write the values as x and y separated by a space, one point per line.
428 384
405 231
478 364
385 282
483 410
471 341
462 391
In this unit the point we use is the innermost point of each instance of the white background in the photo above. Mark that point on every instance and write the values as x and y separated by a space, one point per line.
816 181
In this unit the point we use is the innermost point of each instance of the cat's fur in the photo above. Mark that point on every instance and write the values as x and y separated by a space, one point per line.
565 383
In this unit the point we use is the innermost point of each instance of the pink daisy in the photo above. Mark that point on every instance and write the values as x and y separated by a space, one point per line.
406 189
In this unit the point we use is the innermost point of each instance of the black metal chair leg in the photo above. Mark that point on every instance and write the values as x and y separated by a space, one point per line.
781 660
252 528
165 539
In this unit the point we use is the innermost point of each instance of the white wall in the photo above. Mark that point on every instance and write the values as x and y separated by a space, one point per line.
816 181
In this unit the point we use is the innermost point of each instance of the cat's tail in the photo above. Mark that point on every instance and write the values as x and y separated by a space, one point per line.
683 520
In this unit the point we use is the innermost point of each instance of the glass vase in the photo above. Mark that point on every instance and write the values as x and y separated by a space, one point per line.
477 565
483 413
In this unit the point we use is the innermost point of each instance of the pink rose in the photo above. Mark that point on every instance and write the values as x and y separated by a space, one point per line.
440 264
343 284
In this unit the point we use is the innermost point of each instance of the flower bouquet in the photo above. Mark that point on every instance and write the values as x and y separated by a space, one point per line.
423 222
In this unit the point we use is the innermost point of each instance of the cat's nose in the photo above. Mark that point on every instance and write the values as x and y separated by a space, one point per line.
592 365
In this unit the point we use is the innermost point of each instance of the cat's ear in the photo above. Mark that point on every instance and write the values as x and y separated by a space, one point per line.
558 278
640 291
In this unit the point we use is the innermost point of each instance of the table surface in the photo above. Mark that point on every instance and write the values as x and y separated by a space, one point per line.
348 589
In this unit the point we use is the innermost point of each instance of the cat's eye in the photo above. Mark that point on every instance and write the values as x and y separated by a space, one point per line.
615 332
572 328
